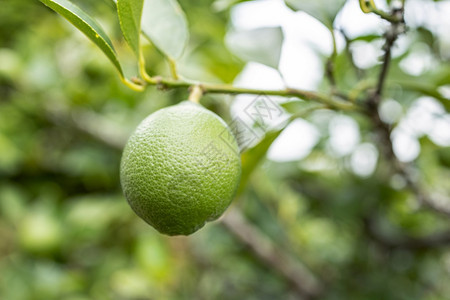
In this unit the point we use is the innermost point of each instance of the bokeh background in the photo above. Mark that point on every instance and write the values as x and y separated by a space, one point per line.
323 206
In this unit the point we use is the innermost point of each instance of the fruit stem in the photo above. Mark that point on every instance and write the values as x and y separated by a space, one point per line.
196 93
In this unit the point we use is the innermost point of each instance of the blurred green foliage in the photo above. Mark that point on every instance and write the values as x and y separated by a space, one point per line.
66 231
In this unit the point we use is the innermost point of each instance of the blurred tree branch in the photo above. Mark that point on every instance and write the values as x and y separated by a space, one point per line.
304 282
88 122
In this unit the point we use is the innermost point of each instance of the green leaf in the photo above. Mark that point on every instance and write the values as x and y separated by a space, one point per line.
221 5
323 10
366 38
130 13
251 158
299 108
261 45
429 83
165 24
87 25
425 89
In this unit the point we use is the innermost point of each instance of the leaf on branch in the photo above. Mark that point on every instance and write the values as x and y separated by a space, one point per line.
431 83
262 45
221 5
323 10
165 24
252 157
425 89
130 13
86 25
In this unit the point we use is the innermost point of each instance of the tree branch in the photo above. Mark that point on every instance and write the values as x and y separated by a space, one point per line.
304 282
330 102
384 131
90 123
394 31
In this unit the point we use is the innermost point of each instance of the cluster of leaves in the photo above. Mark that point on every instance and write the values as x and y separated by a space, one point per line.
66 231
164 23
160 19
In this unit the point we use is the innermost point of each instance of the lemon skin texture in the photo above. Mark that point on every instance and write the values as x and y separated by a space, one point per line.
180 168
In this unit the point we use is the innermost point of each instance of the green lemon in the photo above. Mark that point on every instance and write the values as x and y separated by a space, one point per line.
180 168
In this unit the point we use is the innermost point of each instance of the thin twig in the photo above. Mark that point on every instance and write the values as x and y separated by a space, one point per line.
211 88
395 30
391 37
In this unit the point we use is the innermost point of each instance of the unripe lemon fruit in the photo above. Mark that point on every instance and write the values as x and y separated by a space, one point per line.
180 168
